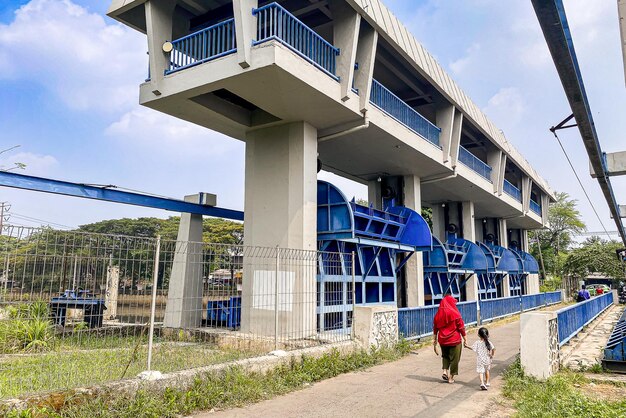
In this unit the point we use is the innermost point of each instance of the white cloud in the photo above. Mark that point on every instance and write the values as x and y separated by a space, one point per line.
88 63
36 164
506 107
148 128
461 64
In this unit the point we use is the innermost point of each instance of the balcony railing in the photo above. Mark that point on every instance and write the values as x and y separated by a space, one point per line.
512 191
475 163
535 207
395 107
274 22
202 46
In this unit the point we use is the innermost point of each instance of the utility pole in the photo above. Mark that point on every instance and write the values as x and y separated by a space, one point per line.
5 207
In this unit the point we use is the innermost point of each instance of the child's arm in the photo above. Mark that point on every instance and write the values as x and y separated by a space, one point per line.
492 353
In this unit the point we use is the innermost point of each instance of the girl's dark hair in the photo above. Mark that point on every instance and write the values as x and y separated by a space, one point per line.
483 333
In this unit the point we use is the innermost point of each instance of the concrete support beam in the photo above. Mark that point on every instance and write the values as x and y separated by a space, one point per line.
526 187
439 226
245 26
159 17
455 142
503 238
615 164
414 268
469 233
545 206
500 185
184 297
365 57
280 210
374 194
524 241
494 159
346 24
444 119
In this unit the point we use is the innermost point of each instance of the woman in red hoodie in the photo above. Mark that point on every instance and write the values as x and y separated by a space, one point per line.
449 330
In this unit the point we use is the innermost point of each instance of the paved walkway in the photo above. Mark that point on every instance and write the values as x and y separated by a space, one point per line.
411 387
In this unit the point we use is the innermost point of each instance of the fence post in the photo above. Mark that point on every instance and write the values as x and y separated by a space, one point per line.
353 297
276 299
155 273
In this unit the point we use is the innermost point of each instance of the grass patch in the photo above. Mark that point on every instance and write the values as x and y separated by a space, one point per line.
559 396
230 388
58 370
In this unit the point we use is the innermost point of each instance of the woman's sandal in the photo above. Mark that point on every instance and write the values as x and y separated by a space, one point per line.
444 377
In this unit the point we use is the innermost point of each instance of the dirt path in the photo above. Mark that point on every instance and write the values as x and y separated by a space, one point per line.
411 387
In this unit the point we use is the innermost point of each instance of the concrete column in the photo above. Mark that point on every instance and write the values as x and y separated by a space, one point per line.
159 17
469 233
526 186
545 206
111 291
501 172
374 194
524 240
494 159
455 142
184 297
439 227
414 268
532 284
539 344
444 119
365 57
503 236
346 24
280 210
245 29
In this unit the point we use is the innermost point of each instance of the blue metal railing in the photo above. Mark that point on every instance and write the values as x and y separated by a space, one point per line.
491 309
573 318
535 207
385 100
274 22
202 46
512 191
418 322
475 163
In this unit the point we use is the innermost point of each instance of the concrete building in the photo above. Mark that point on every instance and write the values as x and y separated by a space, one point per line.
342 81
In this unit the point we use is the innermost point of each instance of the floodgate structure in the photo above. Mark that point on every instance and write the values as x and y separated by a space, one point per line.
342 85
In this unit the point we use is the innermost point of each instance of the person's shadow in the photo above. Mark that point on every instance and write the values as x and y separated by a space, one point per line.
440 380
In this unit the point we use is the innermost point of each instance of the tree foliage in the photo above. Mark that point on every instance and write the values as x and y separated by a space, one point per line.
595 256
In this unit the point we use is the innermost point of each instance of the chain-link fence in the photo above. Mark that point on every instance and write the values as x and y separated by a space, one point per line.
78 309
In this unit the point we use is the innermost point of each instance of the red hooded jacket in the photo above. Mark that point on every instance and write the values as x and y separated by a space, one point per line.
448 324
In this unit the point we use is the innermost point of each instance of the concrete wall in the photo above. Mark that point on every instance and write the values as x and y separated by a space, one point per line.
539 344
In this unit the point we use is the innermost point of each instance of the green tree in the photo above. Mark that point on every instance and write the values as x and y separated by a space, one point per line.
595 256
564 220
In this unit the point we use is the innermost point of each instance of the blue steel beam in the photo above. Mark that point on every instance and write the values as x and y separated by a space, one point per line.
46 185
553 22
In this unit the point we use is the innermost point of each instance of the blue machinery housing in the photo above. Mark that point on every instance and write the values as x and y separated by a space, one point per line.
382 242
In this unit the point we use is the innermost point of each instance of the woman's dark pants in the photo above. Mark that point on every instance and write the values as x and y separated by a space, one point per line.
450 357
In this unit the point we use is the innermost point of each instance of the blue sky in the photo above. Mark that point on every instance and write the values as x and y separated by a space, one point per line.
69 81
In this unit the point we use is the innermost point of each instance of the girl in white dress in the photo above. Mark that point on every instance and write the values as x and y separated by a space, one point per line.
485 351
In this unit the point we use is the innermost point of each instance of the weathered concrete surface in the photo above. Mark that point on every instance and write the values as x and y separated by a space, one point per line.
585 349
406 388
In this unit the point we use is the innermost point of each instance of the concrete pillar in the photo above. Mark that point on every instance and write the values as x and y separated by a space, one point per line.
444 119
346 24
524 240
494 159
503 236
159 17
374 194
469 233
280 210
545 206
365 57
439 227
414 268
184 297
539 344
532 284
455 142
111 291
526 186
245 29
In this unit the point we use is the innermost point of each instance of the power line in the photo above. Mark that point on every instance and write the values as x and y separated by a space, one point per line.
581 184
31 219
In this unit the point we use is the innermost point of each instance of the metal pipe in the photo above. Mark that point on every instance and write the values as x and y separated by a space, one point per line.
276 299
155 273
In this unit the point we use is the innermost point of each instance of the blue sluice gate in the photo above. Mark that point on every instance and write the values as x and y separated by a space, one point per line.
615 349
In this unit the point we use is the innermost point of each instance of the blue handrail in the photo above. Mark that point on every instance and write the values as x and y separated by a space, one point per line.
385 100
475 163
274 22
512 191
202 46
535 207
573 318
